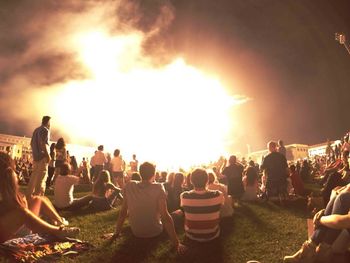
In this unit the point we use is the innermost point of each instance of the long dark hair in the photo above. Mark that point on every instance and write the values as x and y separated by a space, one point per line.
178 182
252 175
9 191
60 143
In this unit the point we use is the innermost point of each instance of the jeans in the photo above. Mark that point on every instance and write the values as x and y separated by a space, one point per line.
338 205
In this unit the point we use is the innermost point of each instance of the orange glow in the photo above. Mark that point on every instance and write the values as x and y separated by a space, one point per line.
175 115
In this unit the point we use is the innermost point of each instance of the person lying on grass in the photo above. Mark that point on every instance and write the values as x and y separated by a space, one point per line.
16 211
145 203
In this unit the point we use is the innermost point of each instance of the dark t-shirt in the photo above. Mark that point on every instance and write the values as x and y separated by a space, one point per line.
233 174
275 166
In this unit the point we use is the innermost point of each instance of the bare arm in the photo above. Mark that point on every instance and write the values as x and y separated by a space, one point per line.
169 225
122 216
112 186
336 221
224 163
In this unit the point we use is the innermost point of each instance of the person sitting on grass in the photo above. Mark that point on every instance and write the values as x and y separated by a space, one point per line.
297 183
145 203
328 223
16 212
202 209
213 184
250 183
104 192
64 188
174 191
135 176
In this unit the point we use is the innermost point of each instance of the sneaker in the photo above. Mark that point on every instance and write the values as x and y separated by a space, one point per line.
70 232
306 254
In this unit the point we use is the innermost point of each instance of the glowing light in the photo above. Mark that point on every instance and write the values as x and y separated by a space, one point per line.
175 115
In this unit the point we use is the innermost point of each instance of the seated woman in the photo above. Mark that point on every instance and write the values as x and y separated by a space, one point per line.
17 212
104 192
250 184
213 184
297 183
64 188
135 176
174 191
329 223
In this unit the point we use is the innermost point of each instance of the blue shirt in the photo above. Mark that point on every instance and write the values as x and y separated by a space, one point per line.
39 140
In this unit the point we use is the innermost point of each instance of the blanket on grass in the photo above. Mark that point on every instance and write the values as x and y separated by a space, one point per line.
41 248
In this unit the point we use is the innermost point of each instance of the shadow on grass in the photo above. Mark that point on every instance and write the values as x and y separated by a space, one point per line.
158 249
250 214
297 206
112 213
134 249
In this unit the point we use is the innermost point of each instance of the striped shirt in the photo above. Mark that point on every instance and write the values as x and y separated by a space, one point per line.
202 214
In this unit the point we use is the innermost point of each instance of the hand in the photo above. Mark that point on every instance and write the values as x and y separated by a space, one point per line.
181 249
114 237
317 217
111 237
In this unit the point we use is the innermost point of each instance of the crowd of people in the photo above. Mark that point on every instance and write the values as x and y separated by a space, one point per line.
152 199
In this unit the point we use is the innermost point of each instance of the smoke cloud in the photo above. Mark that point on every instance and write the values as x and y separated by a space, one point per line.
36 51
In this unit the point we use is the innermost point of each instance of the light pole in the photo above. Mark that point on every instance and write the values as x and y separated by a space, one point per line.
341 38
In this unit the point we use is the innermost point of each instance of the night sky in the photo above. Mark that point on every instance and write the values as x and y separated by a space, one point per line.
281 54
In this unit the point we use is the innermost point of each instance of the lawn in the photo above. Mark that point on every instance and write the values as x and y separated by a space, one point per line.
261 231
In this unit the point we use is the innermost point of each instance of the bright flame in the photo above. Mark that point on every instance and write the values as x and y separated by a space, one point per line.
175 115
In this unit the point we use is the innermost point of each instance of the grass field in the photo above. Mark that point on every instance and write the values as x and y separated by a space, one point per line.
262 231
258 231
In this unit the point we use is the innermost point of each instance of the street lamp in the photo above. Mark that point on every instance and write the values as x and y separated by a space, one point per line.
341 38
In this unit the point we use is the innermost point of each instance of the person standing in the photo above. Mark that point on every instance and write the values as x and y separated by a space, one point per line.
61 155
281 148
41 158
134 163
98 161
51 169
233 173
275 169
118 167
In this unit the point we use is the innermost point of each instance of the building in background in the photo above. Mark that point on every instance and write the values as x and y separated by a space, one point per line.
15 146
294 152
19 147
320 149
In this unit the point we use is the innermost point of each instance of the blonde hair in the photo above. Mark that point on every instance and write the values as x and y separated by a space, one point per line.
212 178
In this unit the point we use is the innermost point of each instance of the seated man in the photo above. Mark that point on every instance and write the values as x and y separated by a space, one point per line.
329 223
202 209
145 203
64 188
